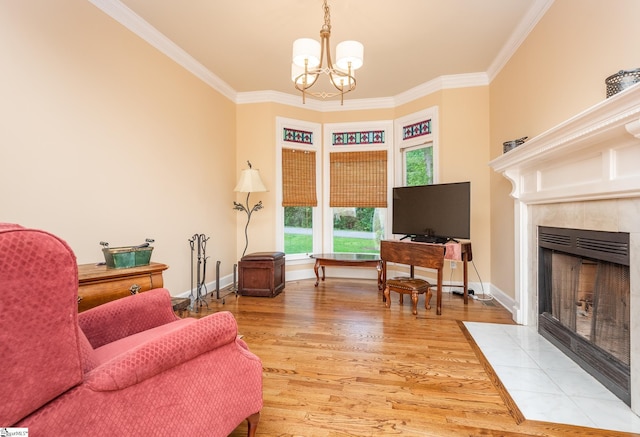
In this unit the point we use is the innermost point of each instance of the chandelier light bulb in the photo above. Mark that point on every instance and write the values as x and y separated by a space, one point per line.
297 75
344 80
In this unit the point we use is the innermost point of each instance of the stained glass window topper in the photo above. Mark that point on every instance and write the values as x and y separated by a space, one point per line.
297 136
416 129
358 138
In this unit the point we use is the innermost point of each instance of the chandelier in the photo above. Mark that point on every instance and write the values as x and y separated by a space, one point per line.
308 60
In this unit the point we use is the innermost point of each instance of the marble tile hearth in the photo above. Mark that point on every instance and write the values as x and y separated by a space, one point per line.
545 384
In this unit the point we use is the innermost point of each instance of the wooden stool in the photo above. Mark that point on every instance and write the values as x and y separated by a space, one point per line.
412 286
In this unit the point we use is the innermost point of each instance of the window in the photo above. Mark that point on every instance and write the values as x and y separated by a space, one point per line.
358 188
416 148
358 230
417 163
298 199
298 229
298 220
357 169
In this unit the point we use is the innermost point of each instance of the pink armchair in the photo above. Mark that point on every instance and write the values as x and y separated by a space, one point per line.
129 367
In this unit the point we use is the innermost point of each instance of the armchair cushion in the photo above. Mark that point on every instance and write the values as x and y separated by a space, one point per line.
144 355
124 317
127 344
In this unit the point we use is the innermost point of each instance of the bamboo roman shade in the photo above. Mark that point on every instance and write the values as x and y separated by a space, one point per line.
298 178
358 179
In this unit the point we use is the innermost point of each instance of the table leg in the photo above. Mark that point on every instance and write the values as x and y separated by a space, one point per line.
465 257
315 270
439 293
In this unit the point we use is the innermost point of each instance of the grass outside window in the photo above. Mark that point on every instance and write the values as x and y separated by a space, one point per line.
296 243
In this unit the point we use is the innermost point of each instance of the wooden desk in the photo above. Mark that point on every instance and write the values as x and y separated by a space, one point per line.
347 260
408 252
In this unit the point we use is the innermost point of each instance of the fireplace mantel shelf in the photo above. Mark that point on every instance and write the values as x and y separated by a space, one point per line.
593 155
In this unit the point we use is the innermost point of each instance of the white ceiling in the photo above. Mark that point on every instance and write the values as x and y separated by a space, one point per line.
246 44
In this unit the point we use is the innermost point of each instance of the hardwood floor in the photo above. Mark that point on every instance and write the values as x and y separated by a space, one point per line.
338 363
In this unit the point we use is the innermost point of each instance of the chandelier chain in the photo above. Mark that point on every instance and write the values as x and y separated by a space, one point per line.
327 17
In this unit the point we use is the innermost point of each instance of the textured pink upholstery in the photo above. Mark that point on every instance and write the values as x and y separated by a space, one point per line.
36 340
119 319
129 367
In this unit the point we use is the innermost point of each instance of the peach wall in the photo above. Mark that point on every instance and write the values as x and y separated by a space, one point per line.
556 73
103 138
464 145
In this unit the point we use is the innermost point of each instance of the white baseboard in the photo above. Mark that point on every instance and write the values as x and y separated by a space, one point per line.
225 281
506 301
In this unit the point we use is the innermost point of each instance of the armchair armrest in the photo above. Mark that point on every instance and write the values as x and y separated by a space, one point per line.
167 351
123 317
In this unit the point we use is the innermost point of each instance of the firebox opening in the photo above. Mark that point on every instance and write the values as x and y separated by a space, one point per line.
584 291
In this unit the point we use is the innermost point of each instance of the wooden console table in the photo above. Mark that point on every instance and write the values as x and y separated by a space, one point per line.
406 252
347 260
99 284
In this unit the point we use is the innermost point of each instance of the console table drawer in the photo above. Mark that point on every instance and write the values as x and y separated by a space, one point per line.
98 284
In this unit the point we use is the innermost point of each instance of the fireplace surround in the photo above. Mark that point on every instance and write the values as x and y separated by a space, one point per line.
582 174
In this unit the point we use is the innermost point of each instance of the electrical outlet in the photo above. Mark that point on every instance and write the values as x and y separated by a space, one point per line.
453 265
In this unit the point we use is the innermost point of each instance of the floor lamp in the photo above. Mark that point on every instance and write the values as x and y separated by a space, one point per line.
249 182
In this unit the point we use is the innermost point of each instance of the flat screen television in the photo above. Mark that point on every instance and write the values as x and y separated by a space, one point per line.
432 213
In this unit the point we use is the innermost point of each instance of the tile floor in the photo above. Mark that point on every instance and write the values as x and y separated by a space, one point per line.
545 384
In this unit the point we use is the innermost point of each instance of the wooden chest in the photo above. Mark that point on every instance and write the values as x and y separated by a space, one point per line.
99 284
261 274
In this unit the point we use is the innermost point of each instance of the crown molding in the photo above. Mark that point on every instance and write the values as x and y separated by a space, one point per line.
441 83
125 16
277 97
132 21
437 84
524 28
359 104
313 104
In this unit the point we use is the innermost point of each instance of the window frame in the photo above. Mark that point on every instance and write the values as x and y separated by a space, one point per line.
328 130
316 130
403 145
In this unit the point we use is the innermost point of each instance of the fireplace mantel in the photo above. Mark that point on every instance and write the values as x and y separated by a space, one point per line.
594 155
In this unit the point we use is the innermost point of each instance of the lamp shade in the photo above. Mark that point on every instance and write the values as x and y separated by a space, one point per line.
250 182
306 48
349 51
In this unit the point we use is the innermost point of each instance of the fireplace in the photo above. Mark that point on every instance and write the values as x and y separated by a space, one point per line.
581 174
583 301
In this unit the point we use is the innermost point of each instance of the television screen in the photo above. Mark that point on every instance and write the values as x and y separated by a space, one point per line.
433 213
